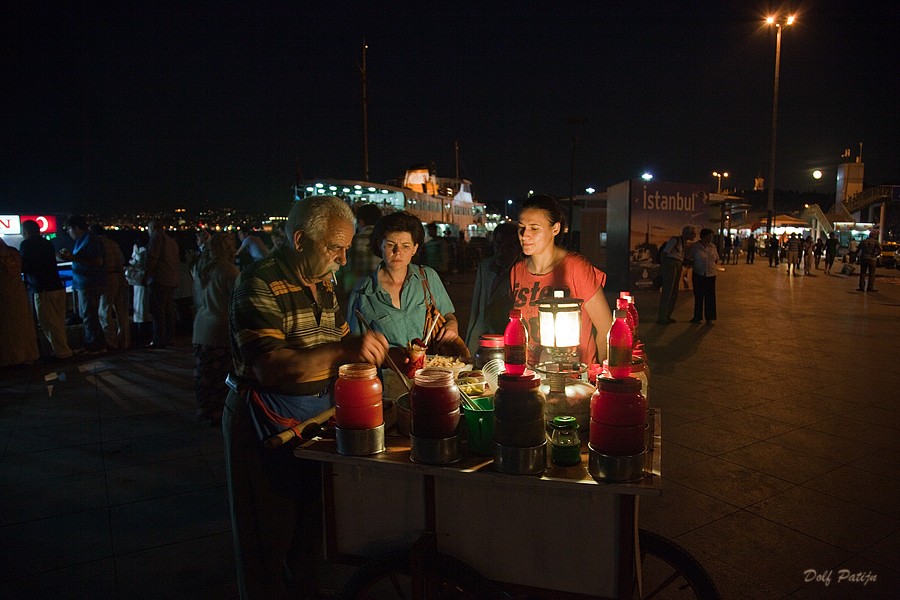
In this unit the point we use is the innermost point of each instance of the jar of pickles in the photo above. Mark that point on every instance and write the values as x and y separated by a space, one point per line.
434 402
358 397
565 444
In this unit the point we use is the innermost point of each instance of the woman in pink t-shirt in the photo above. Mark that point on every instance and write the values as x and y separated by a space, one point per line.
547 268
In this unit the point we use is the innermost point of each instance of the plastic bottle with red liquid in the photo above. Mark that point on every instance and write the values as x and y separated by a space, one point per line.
619 342
632 310
622 304
515 342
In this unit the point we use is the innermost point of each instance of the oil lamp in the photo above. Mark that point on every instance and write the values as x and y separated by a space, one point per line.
560 326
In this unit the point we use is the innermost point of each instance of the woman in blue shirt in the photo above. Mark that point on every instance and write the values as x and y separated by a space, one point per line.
393 299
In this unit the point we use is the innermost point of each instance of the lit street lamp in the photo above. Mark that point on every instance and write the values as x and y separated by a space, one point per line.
770 205
508 204
720 176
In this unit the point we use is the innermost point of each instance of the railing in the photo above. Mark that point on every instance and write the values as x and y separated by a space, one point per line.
814 211
868 197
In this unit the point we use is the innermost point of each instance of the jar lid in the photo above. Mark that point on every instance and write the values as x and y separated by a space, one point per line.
564 422
621 386
525 381
491 340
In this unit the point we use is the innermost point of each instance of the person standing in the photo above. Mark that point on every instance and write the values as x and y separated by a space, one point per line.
251 245
18 338
818 251
88 280
361 260
852 249
546 268
772 247
214 275
831 251
793 254
672 261
437 255
46 288
751 249
161 280
135 275
288 338
867 256
491 301
704 257
113 307
807 255
394 299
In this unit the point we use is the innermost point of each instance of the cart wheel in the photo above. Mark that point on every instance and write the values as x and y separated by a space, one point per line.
388 578
669 571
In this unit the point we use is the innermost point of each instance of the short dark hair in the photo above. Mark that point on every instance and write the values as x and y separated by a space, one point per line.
396 222
368 213
75 221
706 231
31 227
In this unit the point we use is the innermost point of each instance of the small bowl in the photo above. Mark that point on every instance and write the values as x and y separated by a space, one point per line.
434 452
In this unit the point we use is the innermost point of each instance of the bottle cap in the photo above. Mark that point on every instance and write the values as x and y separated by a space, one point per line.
564 422
491 340
621 304
515 314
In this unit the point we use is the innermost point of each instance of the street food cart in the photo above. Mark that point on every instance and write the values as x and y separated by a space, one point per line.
558 535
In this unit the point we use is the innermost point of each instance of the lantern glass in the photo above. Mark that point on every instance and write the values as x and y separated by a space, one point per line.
560 322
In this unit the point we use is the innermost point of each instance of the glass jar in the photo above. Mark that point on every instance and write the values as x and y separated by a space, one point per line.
519 411
618 417
490 347
434 402
358 397
565 444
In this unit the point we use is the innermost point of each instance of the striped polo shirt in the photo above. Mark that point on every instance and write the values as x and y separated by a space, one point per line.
272 310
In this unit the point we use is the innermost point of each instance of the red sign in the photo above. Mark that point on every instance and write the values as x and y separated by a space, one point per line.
47 223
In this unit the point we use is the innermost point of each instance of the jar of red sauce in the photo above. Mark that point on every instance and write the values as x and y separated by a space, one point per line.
618 417
358 397
519 410
434 402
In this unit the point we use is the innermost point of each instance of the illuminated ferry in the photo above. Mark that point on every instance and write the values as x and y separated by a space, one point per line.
445 201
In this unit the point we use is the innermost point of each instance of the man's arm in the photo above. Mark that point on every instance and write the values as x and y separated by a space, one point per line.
287 366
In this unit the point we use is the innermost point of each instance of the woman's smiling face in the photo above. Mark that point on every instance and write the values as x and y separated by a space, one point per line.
536 234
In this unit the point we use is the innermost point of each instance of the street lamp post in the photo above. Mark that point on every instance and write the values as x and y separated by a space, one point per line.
508 204
770 205
719 176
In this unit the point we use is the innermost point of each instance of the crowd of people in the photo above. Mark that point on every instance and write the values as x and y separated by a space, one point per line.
270 326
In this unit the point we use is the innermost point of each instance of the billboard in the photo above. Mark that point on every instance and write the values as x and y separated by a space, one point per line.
47 223
658 211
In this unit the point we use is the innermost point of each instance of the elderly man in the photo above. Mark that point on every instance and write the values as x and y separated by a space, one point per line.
288 338
672 259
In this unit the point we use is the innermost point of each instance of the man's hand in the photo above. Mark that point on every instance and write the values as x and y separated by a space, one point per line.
371 347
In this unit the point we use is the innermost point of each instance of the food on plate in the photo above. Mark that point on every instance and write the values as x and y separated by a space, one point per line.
471 382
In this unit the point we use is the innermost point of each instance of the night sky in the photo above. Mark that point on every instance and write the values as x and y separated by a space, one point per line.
114 110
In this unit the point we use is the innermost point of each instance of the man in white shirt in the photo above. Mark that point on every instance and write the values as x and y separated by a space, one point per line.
704 257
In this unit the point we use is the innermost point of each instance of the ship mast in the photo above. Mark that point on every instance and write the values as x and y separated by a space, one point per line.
365 112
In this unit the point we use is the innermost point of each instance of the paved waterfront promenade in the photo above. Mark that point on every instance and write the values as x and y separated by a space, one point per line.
780 453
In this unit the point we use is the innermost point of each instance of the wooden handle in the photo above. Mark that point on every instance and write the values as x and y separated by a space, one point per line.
288 434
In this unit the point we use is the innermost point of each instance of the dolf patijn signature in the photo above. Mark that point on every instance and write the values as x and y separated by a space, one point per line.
843 576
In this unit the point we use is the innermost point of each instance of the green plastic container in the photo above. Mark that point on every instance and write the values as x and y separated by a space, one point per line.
480 424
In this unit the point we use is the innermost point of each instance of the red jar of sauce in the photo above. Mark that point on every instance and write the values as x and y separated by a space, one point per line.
358 397
618 417
434 401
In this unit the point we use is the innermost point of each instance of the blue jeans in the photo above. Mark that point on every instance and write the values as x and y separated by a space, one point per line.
88 305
